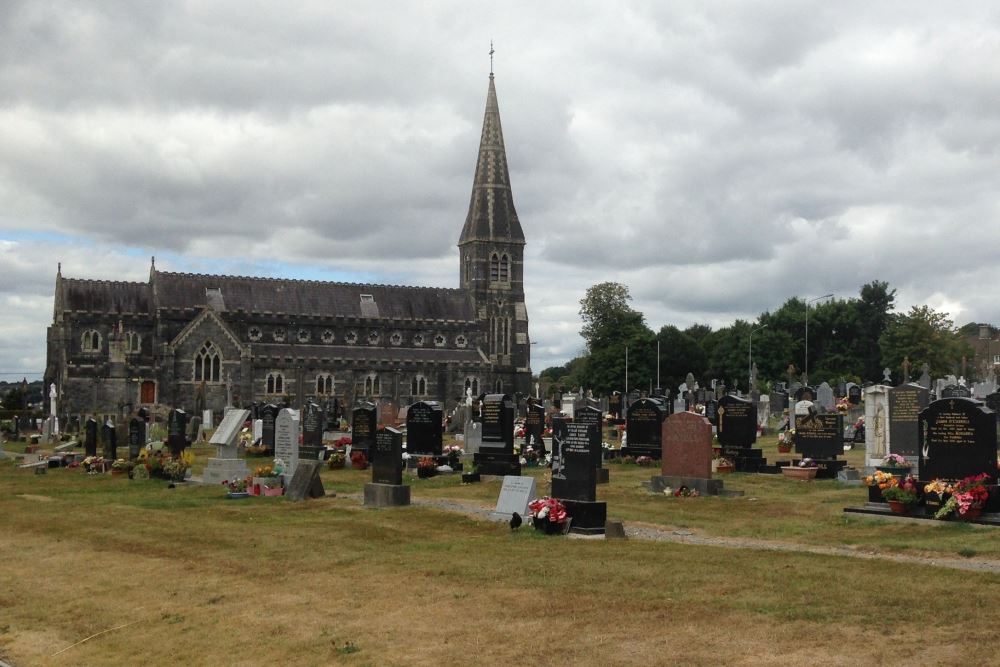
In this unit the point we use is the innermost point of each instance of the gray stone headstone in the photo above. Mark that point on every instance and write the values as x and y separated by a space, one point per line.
306 482
226 466
286 441
925 377
473 437
824 396
515 494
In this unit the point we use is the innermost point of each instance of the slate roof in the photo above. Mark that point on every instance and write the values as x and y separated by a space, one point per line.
310 297
105 296
370 353
491 214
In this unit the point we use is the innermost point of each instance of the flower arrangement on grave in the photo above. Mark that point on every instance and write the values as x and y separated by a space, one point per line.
547 433
359 460
336 459
120 467
843 405
895 461
257 450
883 480
905 493
266 471
94 464
722 464
785 441
645 461
683 491
547 513
808 463
968 498
454 454
426 462
530 456
237 485
342 441
175 468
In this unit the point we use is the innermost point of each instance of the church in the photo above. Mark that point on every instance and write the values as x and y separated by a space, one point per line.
186 340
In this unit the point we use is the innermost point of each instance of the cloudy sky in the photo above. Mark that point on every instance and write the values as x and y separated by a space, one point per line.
716 157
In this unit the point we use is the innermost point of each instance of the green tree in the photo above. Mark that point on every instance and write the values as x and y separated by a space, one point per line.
14 400
606 313
680 354
873 317
925 336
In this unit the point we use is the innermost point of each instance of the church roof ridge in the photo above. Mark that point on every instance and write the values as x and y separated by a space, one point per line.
304 281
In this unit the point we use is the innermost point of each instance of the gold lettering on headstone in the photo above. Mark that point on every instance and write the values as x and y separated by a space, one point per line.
953 428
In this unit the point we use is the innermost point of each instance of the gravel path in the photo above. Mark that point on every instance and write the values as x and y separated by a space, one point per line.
650 532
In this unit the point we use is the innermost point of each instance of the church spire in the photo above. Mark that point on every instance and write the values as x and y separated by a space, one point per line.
491 214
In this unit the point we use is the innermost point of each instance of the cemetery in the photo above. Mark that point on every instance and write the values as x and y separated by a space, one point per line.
324 511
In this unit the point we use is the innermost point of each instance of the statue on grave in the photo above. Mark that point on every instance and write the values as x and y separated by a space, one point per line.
879 428
468 396
52 399
906 369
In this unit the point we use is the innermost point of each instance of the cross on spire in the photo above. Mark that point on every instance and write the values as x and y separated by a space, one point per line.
491 57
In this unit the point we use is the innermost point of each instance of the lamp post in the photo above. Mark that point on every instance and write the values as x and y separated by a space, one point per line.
805 375
750 362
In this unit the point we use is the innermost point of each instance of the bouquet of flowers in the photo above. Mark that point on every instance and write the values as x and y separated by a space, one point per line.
425 463
968 497
645 461
895 461
336 459
682 491
547 508
93 464
236 485
906 492
882 480
807 463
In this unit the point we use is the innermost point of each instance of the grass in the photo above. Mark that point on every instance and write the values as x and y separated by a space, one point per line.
204 580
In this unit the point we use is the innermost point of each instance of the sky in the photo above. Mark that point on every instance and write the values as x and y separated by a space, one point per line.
717 158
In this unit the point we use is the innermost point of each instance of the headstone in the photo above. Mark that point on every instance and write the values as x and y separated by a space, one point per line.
496 451
958 438
268 413
258 430
110 437
90 437
680 404
877 435
568 404
136 436
824 396
925 377
306 482
534 426
313 424
779 402
473 437
286 442
515 494
364 421
226 465
194 429
687 446
388 465
956 391
644 422
905 403
590 415
805 394
423 428
176 431
574 476
711 410
615 407
853 393
207 420
819 436
736 424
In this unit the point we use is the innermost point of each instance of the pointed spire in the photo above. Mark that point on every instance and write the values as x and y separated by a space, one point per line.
491 214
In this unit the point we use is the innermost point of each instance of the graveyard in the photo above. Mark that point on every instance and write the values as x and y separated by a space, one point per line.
157 571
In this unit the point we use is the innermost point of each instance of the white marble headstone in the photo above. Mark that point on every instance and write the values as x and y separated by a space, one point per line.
515 494
286 441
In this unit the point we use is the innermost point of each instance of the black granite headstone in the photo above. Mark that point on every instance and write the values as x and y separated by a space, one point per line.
643 426
993 403
736 422
853 394
313 424
589 415
615 405
268 413
136 436
711 410
110 437
364 421
496 451
956 391
534 426
958 438
574 476
819 436
388 448
90 437
905 403
423 428
176 431
805 394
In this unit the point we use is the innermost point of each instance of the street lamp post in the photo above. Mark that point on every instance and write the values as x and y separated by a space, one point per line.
805 375
750 362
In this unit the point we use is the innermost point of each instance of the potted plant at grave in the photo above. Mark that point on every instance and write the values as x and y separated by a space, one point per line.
336 460
120 467
265 476
359 460
530 457
548 515
176 468
785 440
805 470
93 464
645 461
723 465
426 467
895 464
237 488
967 500
901 496
682 491
936 493
454 454
471 477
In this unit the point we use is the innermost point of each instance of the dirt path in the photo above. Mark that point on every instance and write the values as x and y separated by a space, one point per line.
651 532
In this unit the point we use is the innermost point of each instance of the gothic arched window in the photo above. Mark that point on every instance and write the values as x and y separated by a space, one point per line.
324 384
494 267
275 383
132 341
372 387
207 363
91 341
418 385
505 269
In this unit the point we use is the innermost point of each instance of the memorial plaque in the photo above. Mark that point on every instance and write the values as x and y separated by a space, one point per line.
423 428
90 437
313 425
268 414
643 428
363 424
736 424
388 465
229 430
958 438
905 403
574 475
534 426
286 441
176 431
819 436
687 446
136 436
589 415
779 402
515 494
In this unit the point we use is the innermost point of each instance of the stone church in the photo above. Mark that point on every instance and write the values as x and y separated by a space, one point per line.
191 340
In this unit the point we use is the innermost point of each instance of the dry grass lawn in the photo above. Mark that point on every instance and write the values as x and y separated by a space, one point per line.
198 579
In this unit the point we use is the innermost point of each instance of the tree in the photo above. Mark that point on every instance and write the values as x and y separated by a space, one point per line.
925 336
680 354
14 400
605 313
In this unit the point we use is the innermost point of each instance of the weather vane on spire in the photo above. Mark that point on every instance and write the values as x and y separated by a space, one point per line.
491 56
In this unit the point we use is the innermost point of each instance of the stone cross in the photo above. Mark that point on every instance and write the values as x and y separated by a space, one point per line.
791 373
906 369
886 376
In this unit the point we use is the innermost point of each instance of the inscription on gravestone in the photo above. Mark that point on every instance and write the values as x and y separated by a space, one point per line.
286 440
736 422
363 424
590 415
268 414
534 426
313 424
423 428
388 466
905 404
643 425
515 494
574 476
819 436
958 438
